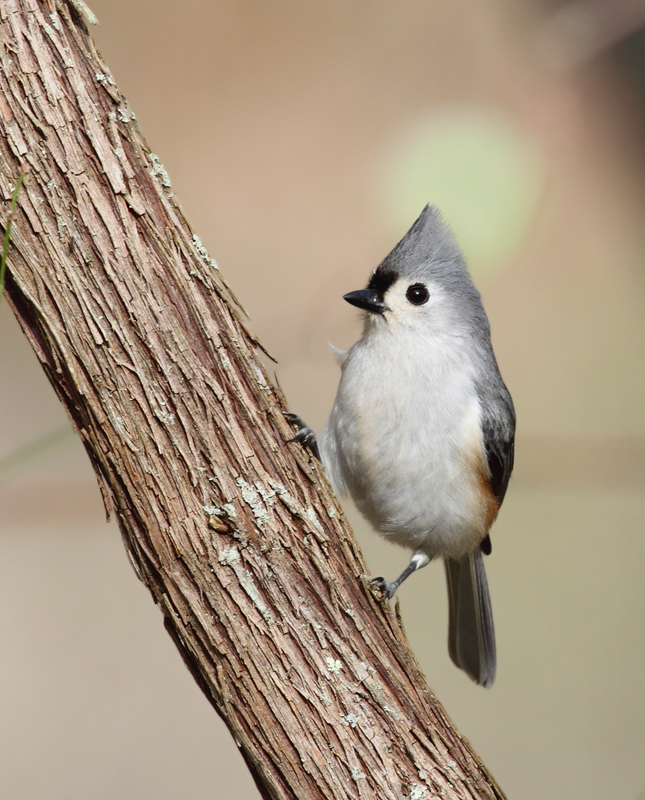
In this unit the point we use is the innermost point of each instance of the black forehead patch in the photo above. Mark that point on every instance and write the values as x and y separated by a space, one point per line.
381 280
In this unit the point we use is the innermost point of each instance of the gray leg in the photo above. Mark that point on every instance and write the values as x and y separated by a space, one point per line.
418 560
305 435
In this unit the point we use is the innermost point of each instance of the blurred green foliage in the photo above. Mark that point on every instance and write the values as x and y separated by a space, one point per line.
27 456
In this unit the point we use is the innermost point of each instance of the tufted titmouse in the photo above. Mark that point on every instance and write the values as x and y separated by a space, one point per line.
421 433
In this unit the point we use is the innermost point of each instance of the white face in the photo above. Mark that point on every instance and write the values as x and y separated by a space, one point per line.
413 303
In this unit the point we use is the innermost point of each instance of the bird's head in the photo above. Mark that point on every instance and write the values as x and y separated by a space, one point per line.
422 284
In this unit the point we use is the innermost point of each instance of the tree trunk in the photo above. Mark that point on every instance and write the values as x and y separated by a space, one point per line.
237 535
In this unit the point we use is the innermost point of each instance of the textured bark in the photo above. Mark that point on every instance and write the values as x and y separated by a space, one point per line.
237 535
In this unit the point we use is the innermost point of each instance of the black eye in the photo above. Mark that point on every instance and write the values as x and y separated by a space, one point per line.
417 294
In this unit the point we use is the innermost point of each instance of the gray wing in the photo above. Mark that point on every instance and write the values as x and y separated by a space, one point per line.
498 428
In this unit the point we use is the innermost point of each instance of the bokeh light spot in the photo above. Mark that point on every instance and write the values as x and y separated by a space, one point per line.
478 167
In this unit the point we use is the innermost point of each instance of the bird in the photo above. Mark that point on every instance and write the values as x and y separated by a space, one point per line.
421 433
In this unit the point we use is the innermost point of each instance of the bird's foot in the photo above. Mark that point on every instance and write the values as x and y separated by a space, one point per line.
388 590
305 435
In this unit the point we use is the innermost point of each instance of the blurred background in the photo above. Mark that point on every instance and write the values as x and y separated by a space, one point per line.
302 140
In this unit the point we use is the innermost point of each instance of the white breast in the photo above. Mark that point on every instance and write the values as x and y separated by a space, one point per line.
404 441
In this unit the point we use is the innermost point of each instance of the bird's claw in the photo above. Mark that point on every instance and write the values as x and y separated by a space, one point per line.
305 435
388 590
294 419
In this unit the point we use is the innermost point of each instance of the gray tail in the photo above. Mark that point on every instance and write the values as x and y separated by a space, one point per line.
471 633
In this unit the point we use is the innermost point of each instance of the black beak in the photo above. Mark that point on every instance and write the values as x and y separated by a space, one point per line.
367 299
